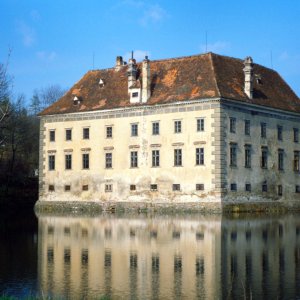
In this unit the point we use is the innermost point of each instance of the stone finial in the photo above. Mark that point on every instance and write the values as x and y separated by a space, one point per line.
248 71
131 72
146 80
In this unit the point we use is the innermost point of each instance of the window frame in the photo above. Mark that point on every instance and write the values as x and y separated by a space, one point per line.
155 158
232 125
263 130
108 160
52 135
178 157
264 158
85 161
85 133
68 134
200 123
248 155
177 126
233 155
51 162
280 159
200 156
68 161
109 132
247 127
296 135
134 159
134 129
155 128
279 132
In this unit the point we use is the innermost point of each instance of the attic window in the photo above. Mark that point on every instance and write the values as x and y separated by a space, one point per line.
76 101
101 83
135 94
258 79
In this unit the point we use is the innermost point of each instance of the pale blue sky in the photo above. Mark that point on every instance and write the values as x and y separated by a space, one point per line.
53 42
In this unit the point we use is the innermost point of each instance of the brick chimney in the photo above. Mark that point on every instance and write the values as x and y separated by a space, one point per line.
146 92
248 71
119 63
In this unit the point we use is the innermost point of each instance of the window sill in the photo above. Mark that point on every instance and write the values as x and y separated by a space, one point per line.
248 167
233 166
199 165
155 167
176 166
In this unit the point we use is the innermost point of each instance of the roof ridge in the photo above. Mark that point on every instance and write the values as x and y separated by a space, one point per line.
214 72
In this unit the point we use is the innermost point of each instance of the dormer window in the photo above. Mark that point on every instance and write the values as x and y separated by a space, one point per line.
101 83
135 94
76 100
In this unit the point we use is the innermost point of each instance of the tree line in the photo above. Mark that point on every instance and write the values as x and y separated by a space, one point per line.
19 136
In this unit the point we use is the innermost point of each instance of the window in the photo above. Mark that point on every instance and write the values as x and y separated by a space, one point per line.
297 189
155 128
177 157
85 187
52 135
264 157
155 158
233 154
279 133
177 126
133 159
109 132
280 159
233 187
199 156
247 156
86 133
51 162
108 160
134 129
108 188
247 127
135 94
263 130
232 125
264 187
176 187
248 187
279 190
68 161
132 187
200 124
68 134
153 187
51 188
67 188
296 135
85 161
296 161
199 187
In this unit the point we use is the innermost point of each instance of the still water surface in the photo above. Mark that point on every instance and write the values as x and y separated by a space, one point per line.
151 257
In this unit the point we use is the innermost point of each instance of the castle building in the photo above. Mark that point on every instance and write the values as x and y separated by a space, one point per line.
197 129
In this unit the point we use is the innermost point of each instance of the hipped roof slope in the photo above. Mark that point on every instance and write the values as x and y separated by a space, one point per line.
179 79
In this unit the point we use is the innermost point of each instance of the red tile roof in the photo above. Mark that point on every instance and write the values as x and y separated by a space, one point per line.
179 79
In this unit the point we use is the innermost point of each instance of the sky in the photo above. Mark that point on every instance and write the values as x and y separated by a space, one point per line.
58 41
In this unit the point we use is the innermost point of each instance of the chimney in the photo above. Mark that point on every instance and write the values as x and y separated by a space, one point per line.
248 71
119 63
146 93
132 71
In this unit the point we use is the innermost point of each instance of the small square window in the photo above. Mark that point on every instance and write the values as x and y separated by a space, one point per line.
279 190
153 187
108 188
85 187
135 94
264 187
248 187
52 135
67 188
132 187
51 188
233 187
86 133
176 187
297 189
109 132
199 187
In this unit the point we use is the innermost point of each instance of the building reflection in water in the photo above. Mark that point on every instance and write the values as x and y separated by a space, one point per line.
138 257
